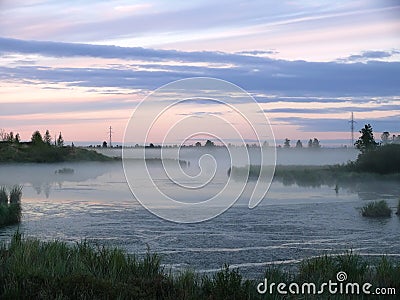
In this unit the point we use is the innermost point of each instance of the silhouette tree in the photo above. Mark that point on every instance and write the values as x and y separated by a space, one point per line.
37 138
310 144
209 144
3 135
47 138
366 141
315 143
299 144
385 137
198 144
60 140
104 144
10 137
17 138
286 144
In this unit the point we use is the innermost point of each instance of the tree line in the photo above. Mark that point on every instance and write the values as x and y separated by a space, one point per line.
36 139
312 143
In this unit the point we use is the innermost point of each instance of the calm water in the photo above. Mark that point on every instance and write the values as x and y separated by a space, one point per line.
292 223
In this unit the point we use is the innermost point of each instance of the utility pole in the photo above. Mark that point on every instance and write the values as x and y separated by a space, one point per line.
110 137
352 122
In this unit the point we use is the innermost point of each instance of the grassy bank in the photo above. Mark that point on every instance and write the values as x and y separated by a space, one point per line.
315 176
43 153
10 206
382 163
55 270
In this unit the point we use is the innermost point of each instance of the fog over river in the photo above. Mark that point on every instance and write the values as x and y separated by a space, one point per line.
94 202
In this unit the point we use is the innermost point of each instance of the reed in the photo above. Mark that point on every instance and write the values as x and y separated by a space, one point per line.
15 194
376 209
10 205
56 270
3 195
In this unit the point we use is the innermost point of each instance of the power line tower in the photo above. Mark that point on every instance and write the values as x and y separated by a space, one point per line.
352 122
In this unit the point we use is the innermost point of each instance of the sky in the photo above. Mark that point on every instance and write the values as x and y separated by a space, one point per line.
81 66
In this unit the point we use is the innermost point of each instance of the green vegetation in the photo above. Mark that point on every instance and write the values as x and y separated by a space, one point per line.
366 141
383 160
373 161
43 150
315 176
43 153
54 270
376 209
10 206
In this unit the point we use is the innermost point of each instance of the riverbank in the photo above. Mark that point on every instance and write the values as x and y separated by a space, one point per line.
382 164
43 153
36 269
315 176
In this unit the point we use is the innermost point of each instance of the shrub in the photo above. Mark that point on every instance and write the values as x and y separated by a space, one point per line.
382 160
376 209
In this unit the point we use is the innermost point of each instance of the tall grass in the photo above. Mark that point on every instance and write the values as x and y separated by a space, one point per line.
376 209
3 195
33 269
10 205
15 194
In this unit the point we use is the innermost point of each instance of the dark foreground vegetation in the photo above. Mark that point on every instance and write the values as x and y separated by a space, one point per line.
43 153
31 269
380 163
376 209
316 176
10 205
382 160
43 150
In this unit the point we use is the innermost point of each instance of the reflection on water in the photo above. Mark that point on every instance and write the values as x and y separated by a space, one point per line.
292 223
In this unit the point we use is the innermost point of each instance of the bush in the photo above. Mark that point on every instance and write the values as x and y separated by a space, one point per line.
383 160
376 209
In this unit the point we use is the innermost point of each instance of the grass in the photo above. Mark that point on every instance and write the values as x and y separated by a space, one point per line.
376 209
382 163
15 194
43 153
55 270
10 206
3 195
314 176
